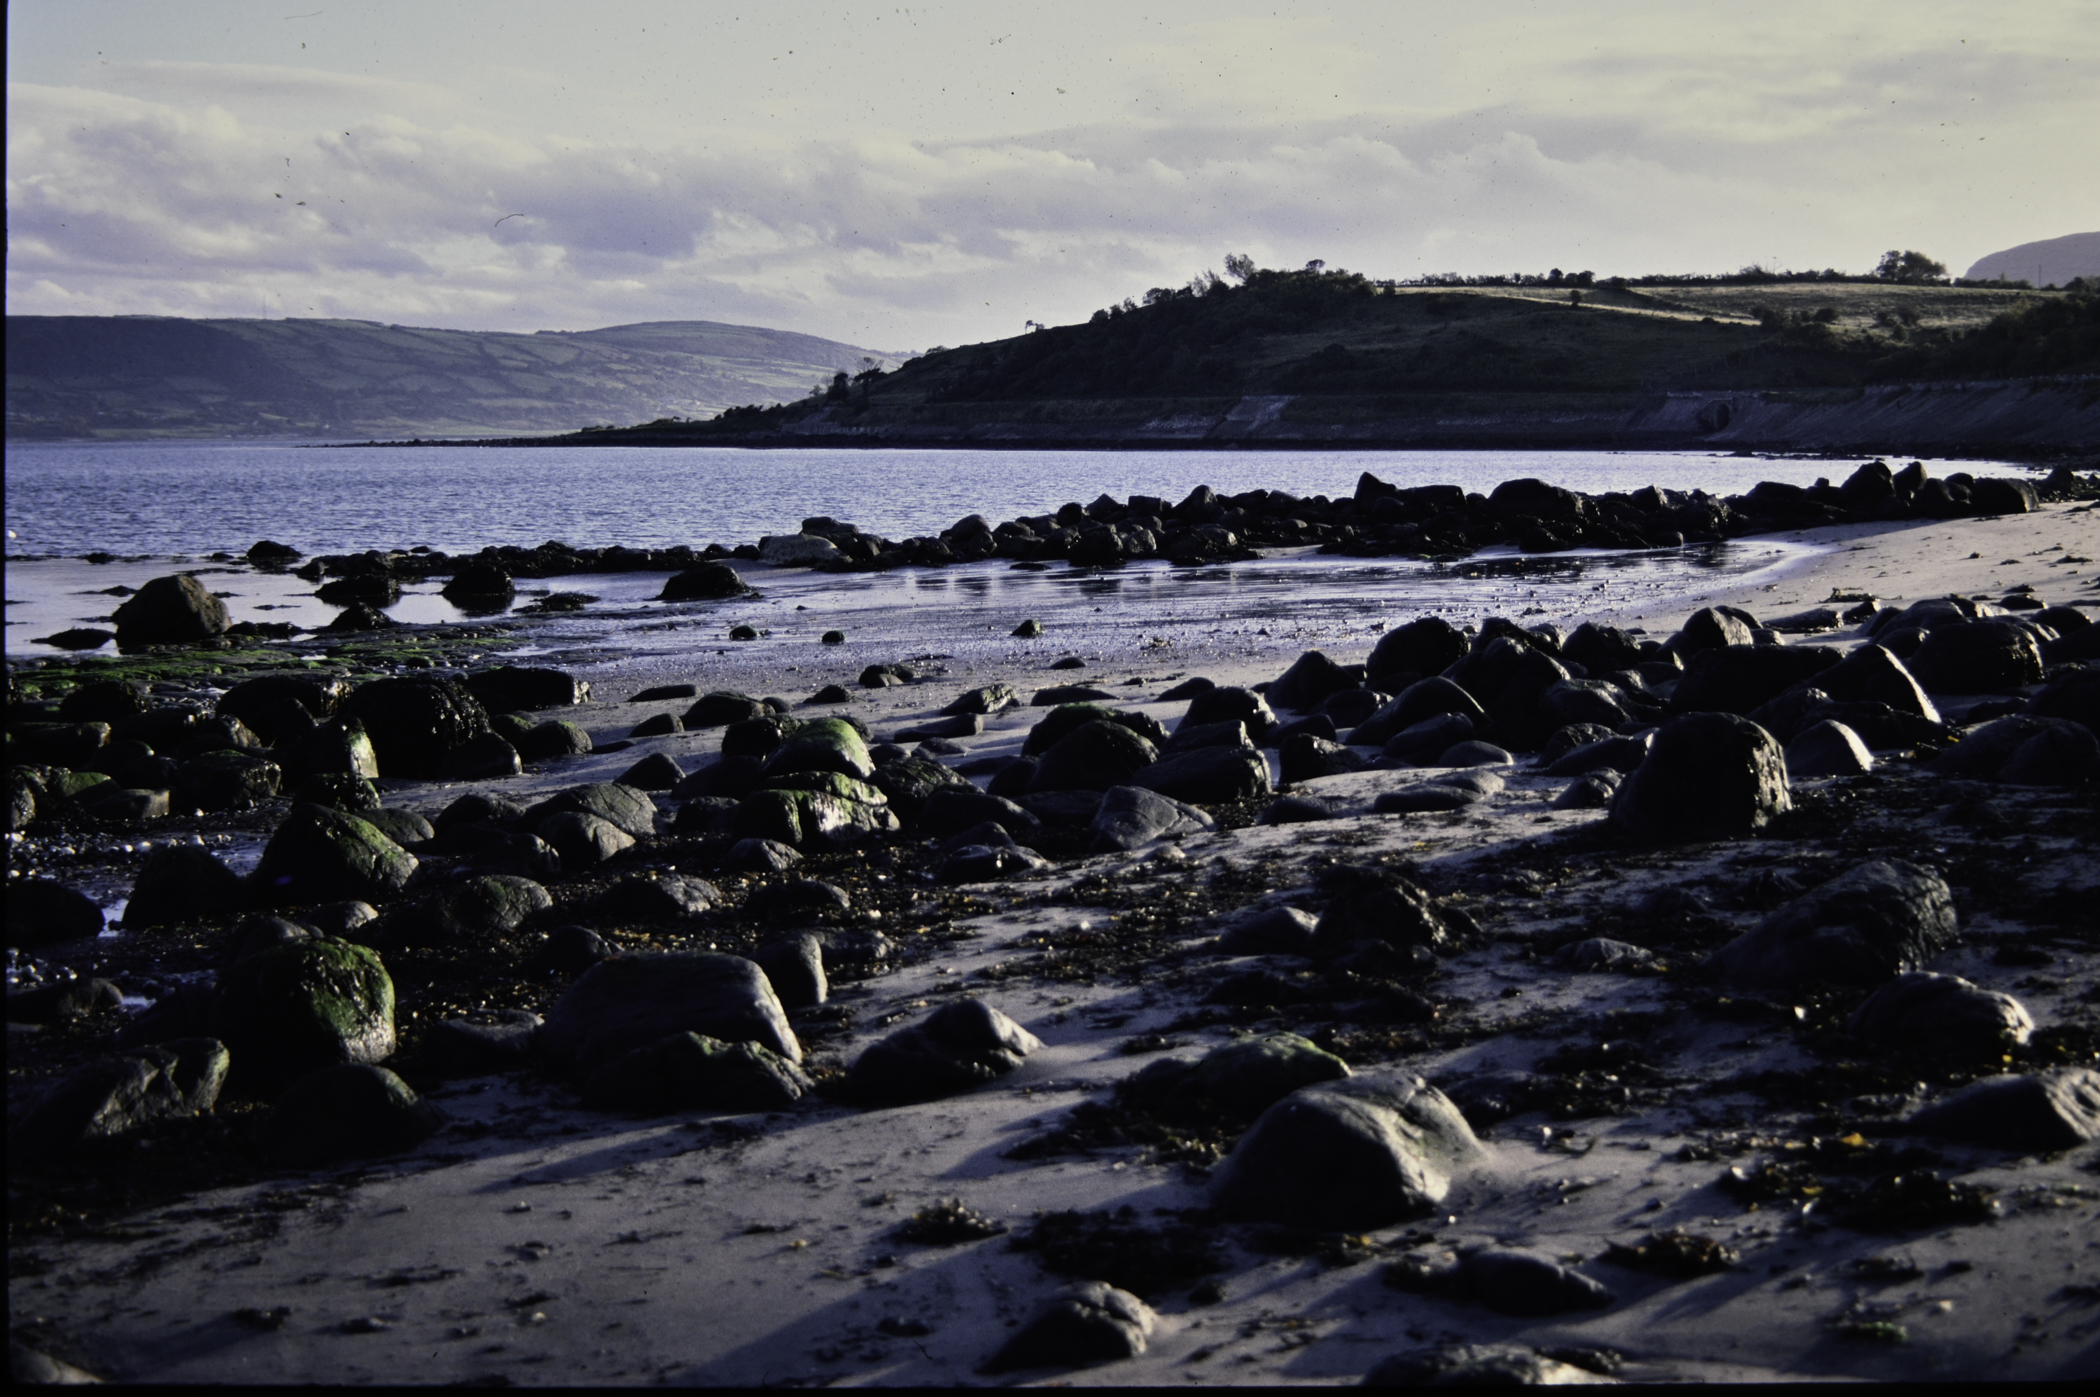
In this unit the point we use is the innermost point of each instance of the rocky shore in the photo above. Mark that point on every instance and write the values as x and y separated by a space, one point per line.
1559 1003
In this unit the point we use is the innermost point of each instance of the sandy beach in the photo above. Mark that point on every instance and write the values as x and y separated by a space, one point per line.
531 1240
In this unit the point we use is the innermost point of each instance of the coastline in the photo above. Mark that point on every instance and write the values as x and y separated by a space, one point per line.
542 1242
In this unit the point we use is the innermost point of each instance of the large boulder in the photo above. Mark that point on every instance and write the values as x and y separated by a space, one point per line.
1131 817
1920 1014
1739 678
691 1071
1351 1155
1417 703
1827 749
2024 751
1509 679
515 688
1989 656
42 912
341 745
1311 678
117 1095
1067 718
825 744
2074 698
708 582
960 1046
950 810
414 723
488 905
1372 904
1863 927
2027 1113
323 855
1093 757
634 1001
1207 775
1228 705
630 810
1087 1323
796 551
1871 674
1426 646
171 611
300 1006
1711 628
910 782
1706 776
220 781
181 883
350 1111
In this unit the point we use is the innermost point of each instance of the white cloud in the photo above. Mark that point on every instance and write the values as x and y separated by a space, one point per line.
905 187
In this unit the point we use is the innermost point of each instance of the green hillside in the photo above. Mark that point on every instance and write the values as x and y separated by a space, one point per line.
131 376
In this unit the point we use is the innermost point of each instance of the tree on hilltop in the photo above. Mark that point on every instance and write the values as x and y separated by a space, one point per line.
1909 267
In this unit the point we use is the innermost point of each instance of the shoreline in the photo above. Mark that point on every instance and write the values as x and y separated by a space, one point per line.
538 1241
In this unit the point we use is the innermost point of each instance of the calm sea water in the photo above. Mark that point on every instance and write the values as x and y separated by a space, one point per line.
164 499
161 507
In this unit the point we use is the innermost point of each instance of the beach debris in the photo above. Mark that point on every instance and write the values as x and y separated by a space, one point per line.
1476 1365
1673 1253
947 1223
1117 1247
2029 1113
633 1001
1085 1324
1353 1154
692 1071
350 1111
177 610
1706 776
1866 926
120 1094
960 1046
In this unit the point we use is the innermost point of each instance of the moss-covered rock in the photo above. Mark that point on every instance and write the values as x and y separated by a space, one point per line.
1247 1077
321 855
302 1006
824 744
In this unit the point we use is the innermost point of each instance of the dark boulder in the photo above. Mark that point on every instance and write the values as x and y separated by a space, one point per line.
514 688
1621 754
1308 758
1711 628
1089 1323
177 884
1419 702
220 781
1130 817
656 897
486 757
339 745
720 708
633 1001
1207 775
1223 705
1370 904
415 723
170 611
1739 678
655 772
1474 1365
118 1095
1920 1014
1093 757
351 1111
1509 679
1871 674
104 701
949 810
1864 927
708 582
910 782
322 855
1706 776
2031 1113
2024 751
960 1046
41 912
2074 698
1827 749
1311 678
582 840
1348 1156
301 1006
1989 656
551 741
478 583
691 1071
794 967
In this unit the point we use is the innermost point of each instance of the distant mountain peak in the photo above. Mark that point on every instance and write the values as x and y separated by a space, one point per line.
2051 262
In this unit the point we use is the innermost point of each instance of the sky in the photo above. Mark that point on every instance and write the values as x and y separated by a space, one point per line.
903 176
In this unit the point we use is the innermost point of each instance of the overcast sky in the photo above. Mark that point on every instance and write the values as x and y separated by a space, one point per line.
900 176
